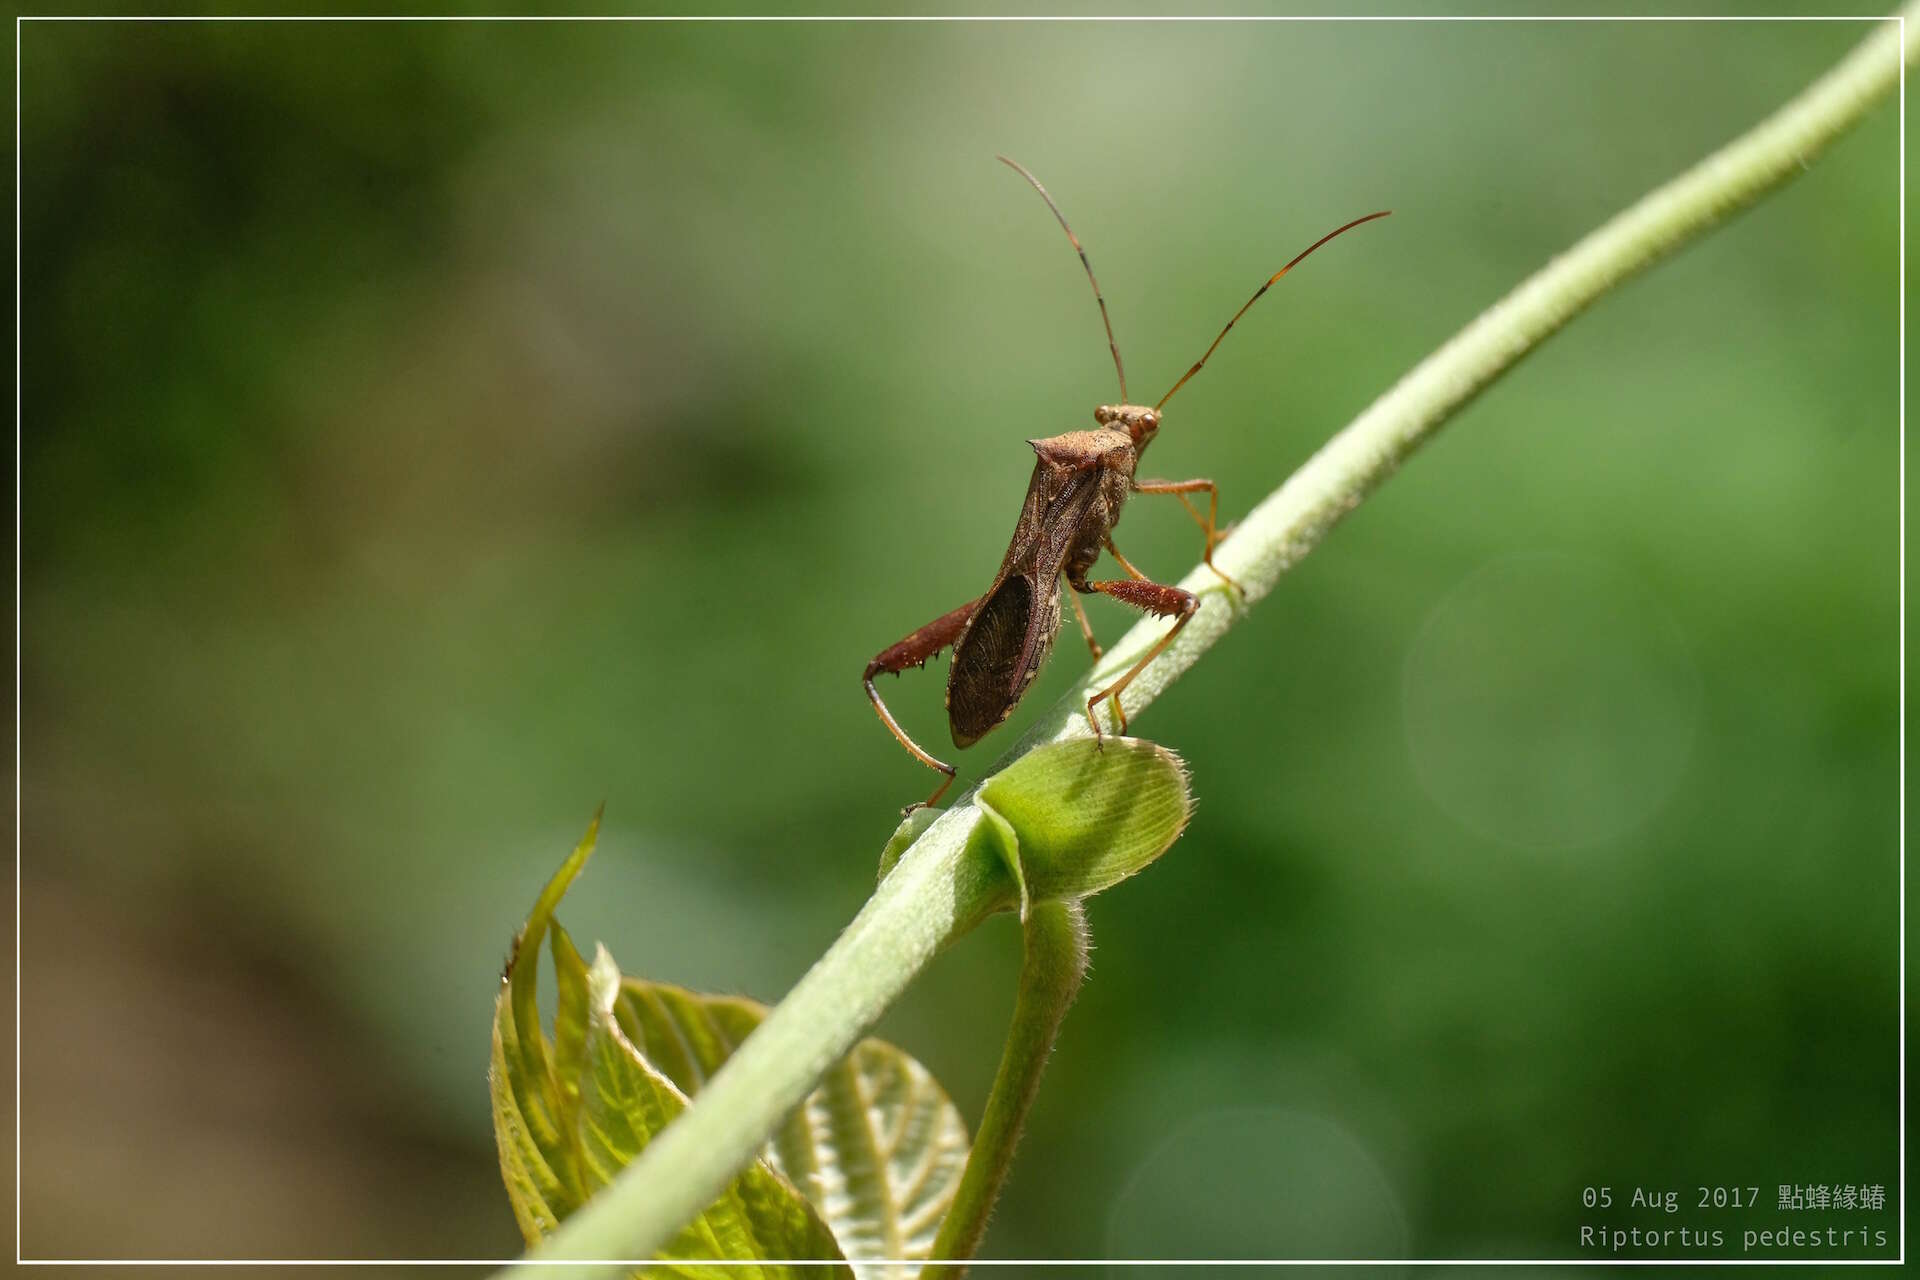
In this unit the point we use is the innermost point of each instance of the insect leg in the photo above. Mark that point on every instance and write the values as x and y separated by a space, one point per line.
915 651
1080 612
1159 600
1209 522
1125 563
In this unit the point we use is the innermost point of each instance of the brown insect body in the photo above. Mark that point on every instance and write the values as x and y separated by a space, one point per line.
1081 481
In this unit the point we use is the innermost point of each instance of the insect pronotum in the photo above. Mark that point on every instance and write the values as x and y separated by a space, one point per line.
1080 483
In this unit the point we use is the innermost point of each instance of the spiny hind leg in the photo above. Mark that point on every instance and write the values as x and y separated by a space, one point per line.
1152 597
915 651
1208 523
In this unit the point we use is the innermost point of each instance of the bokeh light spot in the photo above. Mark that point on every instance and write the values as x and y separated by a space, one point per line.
1258 1183
1550 702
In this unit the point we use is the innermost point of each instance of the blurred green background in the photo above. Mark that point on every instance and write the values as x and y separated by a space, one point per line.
430 431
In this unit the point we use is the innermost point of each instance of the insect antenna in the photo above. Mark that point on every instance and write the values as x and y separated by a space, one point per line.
1111 344
1257 292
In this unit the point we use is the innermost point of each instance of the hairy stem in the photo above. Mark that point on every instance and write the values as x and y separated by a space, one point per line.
1050 976
942 886
1291 521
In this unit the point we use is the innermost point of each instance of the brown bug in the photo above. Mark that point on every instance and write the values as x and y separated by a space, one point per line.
1080 483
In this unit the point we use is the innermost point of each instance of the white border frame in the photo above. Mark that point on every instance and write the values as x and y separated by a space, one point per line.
1222 18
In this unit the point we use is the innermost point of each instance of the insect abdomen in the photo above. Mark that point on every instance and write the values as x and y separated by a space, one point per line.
994 662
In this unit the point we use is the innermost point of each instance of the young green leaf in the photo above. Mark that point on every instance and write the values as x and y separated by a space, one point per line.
571 1112
877 1147
625 1100
570 1018
531 1112
916 821
1072 818
864 1168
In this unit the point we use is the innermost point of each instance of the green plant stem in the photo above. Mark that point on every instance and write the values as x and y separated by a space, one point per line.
1291 521
940 888
950 887
1050 977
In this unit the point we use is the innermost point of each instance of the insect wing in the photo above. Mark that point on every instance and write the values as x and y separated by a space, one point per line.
987 677
1011 633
